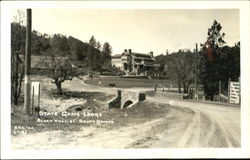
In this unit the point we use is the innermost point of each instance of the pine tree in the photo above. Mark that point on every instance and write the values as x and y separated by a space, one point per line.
209 62
92 42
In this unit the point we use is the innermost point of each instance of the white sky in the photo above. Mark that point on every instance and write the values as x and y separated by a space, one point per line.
141 30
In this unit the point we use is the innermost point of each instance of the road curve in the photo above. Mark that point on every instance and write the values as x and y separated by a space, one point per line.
210 125
196 124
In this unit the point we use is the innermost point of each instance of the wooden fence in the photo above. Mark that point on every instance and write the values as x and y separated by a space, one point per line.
234 92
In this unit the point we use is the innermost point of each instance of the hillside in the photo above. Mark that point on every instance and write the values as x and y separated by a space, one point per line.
82 54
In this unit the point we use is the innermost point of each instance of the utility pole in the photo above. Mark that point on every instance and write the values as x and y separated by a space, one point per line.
27 62
195 80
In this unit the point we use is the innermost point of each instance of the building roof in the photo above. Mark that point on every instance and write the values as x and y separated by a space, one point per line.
141 55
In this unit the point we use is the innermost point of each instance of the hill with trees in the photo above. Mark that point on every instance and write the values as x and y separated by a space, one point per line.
57 56
92 55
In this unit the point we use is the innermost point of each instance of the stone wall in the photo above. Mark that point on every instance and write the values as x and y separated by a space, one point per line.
115 102
125 96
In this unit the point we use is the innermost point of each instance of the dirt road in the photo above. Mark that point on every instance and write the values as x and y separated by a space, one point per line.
211 125
185 124
207 125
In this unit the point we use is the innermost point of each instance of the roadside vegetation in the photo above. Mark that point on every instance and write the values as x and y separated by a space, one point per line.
142 112
215 61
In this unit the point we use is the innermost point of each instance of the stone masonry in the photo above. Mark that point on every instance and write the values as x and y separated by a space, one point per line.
126 99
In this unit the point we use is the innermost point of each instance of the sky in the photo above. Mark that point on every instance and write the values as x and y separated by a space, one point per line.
142 30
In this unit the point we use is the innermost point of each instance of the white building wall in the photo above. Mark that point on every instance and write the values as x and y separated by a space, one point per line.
116 62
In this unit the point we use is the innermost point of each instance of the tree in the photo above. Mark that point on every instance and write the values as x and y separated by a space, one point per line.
77 49
182 68
167 53
98 46
229 64
178 66
59 62
92 42
229 61
215 61
85 55
59 43
40 43
17 49
107 50
163 60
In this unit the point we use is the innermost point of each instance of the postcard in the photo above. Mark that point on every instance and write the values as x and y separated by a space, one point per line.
125 79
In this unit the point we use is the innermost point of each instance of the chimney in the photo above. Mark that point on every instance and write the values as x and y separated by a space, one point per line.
130 59
151 54
125 50
130 51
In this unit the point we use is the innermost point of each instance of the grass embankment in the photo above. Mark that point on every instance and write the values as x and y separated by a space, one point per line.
143 112
94 102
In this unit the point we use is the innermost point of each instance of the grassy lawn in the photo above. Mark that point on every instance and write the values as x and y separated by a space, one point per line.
124 82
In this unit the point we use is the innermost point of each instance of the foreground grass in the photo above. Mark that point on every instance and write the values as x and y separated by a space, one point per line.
96 102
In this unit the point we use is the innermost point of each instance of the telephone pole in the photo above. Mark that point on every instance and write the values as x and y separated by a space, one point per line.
27 62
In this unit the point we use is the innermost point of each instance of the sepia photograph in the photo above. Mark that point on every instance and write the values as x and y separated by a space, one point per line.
125 78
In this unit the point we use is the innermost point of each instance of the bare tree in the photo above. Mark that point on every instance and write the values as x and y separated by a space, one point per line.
59 63
17 49
182 68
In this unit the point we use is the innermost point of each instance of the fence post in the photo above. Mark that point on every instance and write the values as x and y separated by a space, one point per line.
228 92
195 79
35 98
219 90
39 93
32 102
239 92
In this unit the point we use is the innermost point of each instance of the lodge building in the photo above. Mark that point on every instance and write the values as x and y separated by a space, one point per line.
134 63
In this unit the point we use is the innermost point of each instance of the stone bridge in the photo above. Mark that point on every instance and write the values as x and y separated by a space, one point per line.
126 99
